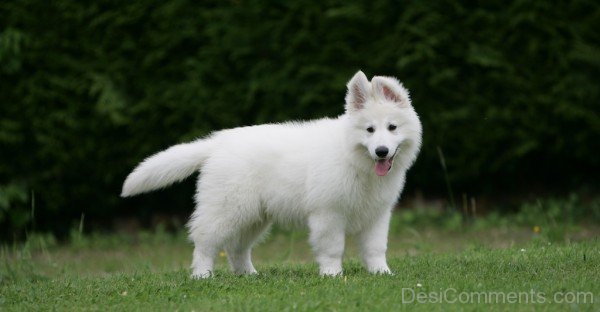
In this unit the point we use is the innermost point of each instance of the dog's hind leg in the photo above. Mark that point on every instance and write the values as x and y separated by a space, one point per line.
203 261
209 234
230 222
239 249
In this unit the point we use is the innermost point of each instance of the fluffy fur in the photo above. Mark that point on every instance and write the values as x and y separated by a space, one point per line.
335 176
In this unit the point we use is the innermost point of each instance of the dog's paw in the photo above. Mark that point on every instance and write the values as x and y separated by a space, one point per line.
201 274
331 272
245 272
382 270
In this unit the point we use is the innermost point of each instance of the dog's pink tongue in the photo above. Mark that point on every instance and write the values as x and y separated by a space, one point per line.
382 166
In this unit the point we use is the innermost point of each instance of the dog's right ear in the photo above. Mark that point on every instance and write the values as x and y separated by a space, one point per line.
359 89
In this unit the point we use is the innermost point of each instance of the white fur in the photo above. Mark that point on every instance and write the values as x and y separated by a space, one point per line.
319 174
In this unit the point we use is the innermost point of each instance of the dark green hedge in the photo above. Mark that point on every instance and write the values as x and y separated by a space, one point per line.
508 90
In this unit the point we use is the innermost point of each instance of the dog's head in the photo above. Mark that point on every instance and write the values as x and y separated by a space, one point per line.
383 121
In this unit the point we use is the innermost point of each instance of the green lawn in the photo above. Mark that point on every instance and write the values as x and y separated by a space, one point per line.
436 268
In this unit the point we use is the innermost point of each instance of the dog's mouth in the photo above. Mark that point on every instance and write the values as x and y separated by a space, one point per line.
383 166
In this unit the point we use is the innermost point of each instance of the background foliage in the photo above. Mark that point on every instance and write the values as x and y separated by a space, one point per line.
507 90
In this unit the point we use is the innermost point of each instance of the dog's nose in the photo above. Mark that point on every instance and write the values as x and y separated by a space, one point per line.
381 151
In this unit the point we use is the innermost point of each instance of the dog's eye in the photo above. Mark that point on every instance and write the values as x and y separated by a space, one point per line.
370 129
392 127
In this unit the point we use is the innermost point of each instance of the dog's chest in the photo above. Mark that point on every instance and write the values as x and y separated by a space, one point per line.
364 200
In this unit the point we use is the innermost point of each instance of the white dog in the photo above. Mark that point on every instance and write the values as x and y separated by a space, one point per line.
336 176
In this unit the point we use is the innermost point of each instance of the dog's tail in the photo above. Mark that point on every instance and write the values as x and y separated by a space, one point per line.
167 167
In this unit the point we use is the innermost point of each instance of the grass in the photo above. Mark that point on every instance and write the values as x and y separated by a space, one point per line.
440 262
541 270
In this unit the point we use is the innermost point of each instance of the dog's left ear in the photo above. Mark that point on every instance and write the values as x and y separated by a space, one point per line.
390 89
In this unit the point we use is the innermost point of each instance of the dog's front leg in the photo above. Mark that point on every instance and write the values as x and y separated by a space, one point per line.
327 233
373 244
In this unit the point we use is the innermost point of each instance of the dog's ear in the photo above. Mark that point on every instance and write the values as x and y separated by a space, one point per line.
359 90
390 89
